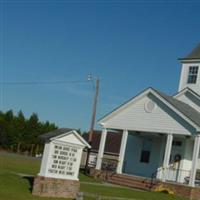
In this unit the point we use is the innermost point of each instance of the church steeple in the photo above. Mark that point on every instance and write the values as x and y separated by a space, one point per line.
190 73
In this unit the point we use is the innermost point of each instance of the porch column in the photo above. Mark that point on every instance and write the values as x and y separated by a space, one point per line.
168 149
122 151
194 161
101 148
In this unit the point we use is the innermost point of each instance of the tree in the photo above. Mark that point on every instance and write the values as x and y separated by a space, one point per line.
21 134
20 130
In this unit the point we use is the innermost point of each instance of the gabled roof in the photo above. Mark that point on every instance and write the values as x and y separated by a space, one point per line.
195 54
112 145
183 91
59 133
182 109
122 105
54 133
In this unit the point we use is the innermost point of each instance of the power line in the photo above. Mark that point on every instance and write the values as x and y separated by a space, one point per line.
41 82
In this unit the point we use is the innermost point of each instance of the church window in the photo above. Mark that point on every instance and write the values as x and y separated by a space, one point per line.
192 75
176 143
146 151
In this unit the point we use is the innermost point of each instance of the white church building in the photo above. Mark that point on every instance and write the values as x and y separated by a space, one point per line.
161 133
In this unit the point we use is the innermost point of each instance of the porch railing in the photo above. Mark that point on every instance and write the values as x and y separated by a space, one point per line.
174 175
109 164
170 174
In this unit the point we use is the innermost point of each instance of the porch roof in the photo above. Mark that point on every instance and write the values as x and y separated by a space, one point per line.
184 108
185 90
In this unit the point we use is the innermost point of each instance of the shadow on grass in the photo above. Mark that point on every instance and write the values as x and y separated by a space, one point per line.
30 180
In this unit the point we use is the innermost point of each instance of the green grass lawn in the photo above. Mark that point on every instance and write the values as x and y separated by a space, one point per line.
15 187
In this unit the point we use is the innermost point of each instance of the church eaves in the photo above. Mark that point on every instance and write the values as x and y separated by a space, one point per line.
186 110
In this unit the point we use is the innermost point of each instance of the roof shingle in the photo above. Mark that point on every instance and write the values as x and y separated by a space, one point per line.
195 54
184 108
54 133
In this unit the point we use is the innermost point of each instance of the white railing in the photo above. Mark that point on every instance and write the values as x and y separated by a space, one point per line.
172 174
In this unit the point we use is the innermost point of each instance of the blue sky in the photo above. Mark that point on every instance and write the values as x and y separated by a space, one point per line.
130 45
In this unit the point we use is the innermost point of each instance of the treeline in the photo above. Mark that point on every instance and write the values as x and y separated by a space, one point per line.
20 134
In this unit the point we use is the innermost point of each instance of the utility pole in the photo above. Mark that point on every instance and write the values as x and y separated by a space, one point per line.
92 121
94 111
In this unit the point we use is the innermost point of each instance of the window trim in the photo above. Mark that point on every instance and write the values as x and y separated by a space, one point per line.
192 74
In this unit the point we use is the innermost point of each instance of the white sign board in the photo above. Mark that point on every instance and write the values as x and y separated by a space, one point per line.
62 157
64 160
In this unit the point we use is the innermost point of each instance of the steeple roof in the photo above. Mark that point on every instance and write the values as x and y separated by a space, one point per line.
194 54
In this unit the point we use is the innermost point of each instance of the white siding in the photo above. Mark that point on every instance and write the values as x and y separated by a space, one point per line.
161 119
71 138
184 77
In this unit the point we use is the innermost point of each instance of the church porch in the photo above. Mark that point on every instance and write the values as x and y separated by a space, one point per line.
158 156
147 184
